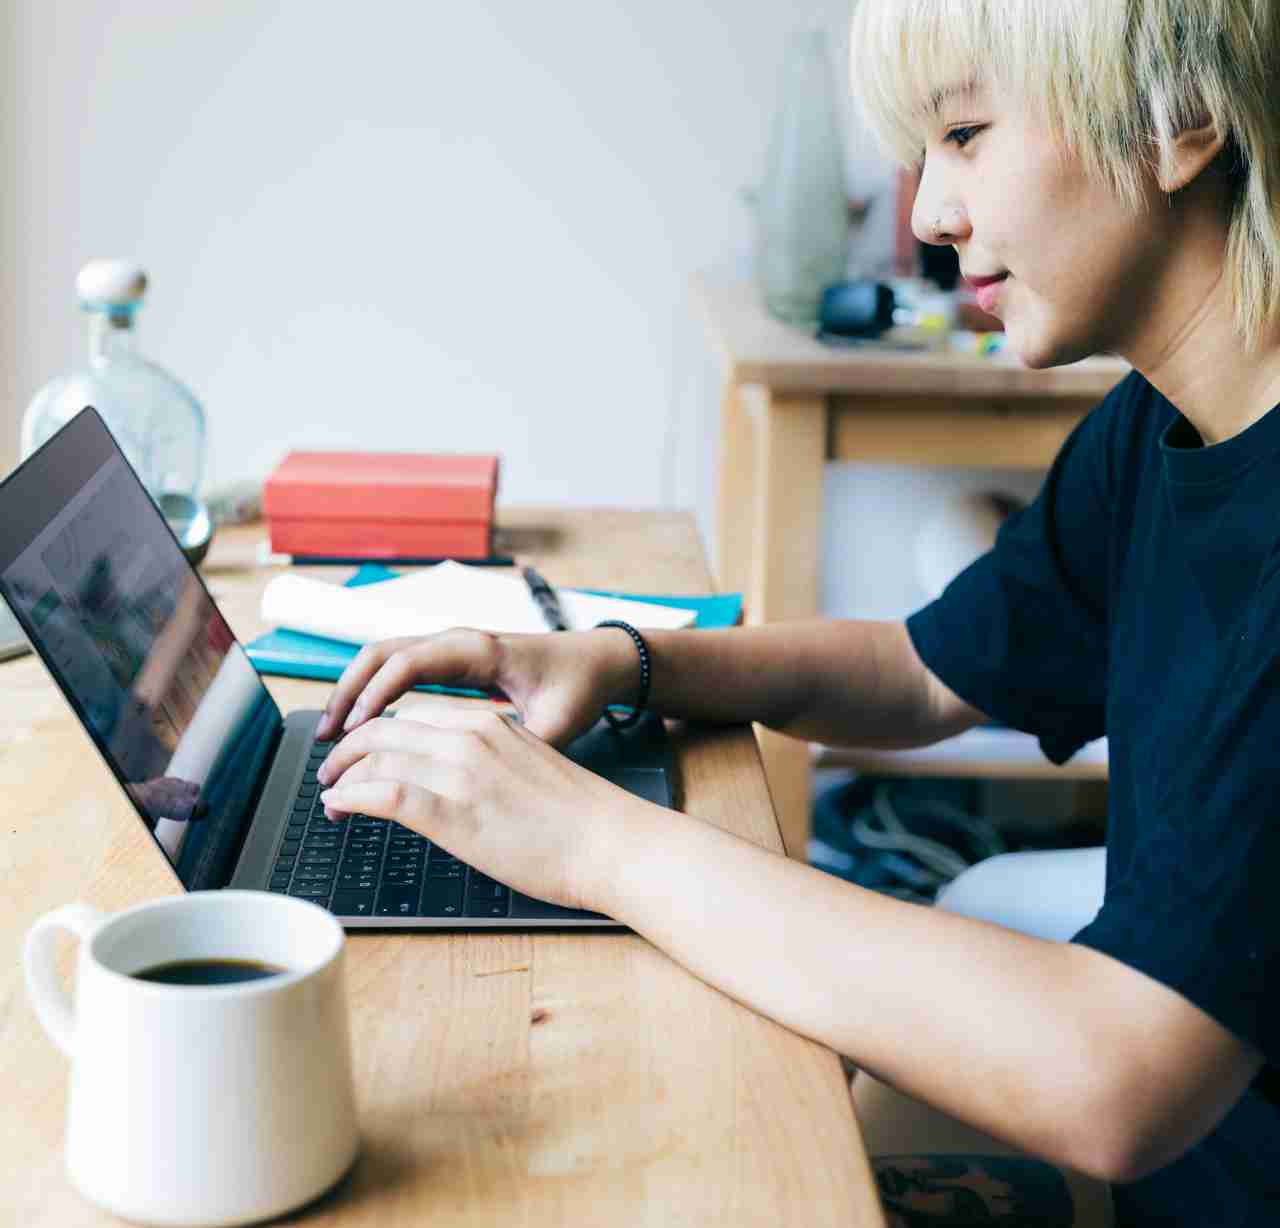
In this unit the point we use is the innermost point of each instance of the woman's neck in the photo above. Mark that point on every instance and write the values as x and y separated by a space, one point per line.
1190 348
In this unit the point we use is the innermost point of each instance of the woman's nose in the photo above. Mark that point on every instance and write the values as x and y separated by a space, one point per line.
936 220
944 225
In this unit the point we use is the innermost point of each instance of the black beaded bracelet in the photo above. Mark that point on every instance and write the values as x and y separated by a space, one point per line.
637 708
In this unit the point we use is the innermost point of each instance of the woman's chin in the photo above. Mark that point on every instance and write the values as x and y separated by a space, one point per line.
1039 349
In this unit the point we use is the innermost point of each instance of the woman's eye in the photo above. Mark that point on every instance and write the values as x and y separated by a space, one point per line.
960 137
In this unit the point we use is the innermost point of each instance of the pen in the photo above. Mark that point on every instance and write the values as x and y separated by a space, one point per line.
545 596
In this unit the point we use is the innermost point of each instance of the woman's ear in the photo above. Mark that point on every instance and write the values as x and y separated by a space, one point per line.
1193 149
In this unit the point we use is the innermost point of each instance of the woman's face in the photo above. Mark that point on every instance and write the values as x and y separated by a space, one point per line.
1078 267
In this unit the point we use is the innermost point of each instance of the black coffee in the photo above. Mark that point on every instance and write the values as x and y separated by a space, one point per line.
209 972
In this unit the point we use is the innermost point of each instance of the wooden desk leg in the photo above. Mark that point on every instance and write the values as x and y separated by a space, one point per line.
791 439
736 497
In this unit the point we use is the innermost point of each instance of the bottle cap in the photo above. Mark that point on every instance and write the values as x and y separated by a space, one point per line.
109 284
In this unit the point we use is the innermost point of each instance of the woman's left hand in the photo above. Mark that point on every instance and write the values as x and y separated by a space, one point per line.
493 794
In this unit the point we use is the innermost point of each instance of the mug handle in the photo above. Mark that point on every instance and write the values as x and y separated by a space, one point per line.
44 987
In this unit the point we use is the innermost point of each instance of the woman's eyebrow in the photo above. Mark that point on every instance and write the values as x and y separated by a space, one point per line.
940 97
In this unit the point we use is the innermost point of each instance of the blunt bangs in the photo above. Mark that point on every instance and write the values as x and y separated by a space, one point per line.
1115 81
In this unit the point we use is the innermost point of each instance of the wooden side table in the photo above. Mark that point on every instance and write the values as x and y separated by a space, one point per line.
790 404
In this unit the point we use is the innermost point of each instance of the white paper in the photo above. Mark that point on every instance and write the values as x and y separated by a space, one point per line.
447 595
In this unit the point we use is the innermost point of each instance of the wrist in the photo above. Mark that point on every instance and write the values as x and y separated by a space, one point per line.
619 665
607 881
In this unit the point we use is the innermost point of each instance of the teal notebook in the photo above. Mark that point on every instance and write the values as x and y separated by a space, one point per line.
293 654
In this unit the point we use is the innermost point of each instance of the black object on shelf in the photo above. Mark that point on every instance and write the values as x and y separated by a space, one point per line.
860 309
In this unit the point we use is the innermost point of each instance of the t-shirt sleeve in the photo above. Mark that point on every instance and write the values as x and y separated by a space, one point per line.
1021 633
1193 901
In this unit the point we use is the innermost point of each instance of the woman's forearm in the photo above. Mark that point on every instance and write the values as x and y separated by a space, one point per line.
977 1020
844 682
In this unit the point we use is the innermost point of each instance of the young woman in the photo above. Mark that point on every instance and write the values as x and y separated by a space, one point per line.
1109 173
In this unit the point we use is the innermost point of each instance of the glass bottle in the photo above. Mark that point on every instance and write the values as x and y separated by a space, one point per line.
158 424
802 206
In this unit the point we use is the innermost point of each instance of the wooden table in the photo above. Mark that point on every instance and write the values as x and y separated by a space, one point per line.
532 1079
790 404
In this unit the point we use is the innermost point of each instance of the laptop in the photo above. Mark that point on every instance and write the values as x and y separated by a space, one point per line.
225 784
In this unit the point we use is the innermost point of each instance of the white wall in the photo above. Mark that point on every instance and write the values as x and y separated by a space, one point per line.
454 227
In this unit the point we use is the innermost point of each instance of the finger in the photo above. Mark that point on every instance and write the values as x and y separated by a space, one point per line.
443 736
464 715
354 679
460 657
379 734
427 772
397 800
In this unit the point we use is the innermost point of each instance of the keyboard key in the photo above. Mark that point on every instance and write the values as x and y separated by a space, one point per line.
445 869
324 857
308 790
279 882
314 874
356 882
405 859
310 892
397 900
488 908
351 860
363 868
289 848
442 897
373 856
324 840
294 831
401 876
352 903
284 865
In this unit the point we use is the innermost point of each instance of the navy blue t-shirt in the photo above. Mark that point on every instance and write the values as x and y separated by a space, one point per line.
1139 597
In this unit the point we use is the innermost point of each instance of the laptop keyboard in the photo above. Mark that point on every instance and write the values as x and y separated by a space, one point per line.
363 867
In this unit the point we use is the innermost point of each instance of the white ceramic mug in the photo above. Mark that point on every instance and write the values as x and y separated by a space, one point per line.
201 1105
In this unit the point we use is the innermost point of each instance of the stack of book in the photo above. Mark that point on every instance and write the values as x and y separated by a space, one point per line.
318 627
382 505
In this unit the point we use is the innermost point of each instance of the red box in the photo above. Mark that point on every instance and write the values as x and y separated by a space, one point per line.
382 505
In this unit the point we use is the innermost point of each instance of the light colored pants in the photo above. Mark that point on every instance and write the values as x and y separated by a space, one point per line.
1051 895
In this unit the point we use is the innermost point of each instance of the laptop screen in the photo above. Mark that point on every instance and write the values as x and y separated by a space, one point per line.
132 637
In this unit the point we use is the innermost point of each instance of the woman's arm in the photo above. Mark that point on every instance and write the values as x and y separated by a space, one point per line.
1062 1051
843 682
1053 1047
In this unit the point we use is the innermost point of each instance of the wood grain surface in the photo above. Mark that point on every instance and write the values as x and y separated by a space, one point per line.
522 1079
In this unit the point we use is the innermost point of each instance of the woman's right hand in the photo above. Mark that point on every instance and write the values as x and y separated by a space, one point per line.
558 681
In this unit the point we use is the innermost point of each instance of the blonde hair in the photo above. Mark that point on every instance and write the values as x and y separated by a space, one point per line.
1118 79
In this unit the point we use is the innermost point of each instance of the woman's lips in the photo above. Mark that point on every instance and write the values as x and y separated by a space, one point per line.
987 290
